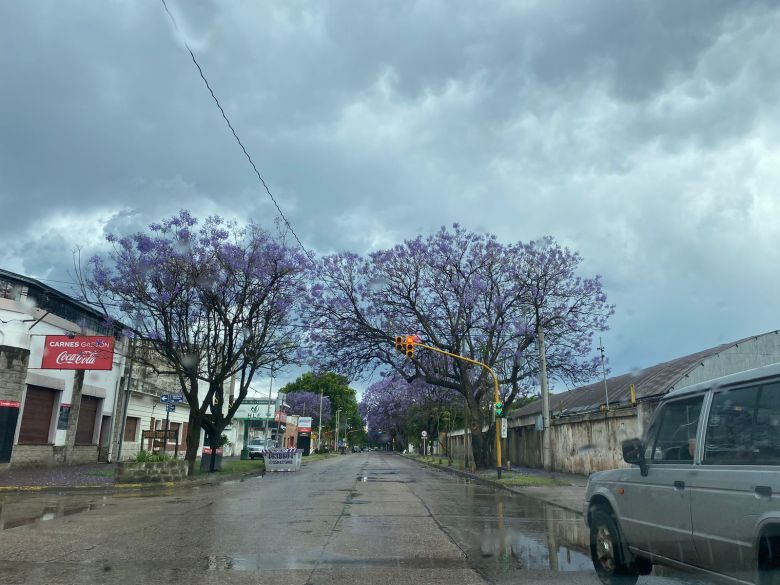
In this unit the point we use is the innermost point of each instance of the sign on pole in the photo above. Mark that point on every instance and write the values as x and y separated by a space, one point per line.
504 428
170 407
178 398
164 398
424 434
64 352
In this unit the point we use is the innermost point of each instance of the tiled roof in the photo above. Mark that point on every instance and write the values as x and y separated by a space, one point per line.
653 381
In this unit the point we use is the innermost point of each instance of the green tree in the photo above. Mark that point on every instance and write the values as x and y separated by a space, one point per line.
336 388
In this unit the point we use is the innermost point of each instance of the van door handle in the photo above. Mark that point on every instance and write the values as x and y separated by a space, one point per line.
679 485
764 491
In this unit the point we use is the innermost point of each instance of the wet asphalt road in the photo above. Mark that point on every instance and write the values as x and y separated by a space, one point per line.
368 518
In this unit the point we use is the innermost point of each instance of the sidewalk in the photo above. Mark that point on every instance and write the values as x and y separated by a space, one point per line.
94 474
564 490
100 476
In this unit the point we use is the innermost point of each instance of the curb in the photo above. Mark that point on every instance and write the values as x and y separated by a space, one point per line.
493 484
119 487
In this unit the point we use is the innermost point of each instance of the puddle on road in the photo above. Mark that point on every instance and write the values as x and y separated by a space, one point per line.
33 510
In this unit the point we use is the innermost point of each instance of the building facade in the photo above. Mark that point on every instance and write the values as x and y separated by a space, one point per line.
65 417
52 416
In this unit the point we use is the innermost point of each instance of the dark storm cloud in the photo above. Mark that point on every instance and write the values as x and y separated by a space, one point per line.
642 133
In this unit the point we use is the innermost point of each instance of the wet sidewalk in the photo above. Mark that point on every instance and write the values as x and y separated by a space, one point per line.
564 490
94 474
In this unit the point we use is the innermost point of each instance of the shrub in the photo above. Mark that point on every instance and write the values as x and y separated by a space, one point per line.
149 457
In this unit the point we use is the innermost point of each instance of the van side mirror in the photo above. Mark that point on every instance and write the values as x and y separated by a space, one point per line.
634 453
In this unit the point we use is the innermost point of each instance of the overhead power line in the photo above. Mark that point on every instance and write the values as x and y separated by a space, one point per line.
235 134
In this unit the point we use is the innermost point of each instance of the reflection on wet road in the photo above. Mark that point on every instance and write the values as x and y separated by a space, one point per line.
360 518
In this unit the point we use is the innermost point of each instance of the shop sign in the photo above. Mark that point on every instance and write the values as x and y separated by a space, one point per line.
304 424
62 352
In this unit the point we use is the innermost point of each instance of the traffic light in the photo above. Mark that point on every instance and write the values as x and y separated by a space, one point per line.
410 346
399 343
499 408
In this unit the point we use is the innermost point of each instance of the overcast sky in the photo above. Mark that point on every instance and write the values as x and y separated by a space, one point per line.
644 134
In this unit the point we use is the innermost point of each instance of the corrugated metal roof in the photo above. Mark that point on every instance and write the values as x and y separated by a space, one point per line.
653 381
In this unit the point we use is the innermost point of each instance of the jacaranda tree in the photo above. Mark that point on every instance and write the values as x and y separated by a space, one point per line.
308 404
213 302
402 409
465 293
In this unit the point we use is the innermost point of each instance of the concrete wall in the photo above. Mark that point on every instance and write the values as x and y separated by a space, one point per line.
13 369
48 455
582 444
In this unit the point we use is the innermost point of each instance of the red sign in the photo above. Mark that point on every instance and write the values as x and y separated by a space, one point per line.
61 352
9 404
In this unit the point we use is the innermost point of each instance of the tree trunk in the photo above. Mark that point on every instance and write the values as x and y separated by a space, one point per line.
193 440
214 444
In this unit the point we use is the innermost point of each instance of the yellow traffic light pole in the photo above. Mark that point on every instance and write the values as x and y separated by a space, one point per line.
496 398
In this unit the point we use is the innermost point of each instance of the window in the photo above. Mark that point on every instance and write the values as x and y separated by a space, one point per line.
174 427
131 429
8 290
744 427
675 439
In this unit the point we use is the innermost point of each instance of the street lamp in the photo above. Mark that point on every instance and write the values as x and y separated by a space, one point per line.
336 444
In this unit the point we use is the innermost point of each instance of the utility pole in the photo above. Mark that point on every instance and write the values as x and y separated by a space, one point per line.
603 371
319 426
270 387
546 438
128 378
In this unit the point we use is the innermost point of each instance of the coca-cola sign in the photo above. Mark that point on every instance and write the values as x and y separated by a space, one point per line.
61 352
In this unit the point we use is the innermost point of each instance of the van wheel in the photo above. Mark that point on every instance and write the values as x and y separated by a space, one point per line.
606 551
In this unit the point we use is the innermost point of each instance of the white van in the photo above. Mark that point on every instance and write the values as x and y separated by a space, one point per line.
704 492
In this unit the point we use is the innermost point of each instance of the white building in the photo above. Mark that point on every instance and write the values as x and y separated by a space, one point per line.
45 418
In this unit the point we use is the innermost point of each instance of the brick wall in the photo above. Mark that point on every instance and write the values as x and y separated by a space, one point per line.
13 370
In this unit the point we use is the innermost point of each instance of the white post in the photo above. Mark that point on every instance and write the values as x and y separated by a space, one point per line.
336 443
546 438
267 425
604 371
319 429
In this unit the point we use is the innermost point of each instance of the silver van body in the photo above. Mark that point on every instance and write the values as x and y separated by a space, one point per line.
704 493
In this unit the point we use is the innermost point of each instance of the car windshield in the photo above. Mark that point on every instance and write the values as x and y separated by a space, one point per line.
412 291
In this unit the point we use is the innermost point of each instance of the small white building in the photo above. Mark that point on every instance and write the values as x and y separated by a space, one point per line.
45 418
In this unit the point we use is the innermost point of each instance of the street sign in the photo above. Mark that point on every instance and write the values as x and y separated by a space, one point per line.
177 398
165 398
424 434
504 428
170 407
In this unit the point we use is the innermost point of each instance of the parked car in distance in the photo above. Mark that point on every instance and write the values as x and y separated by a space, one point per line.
256 447
704 490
